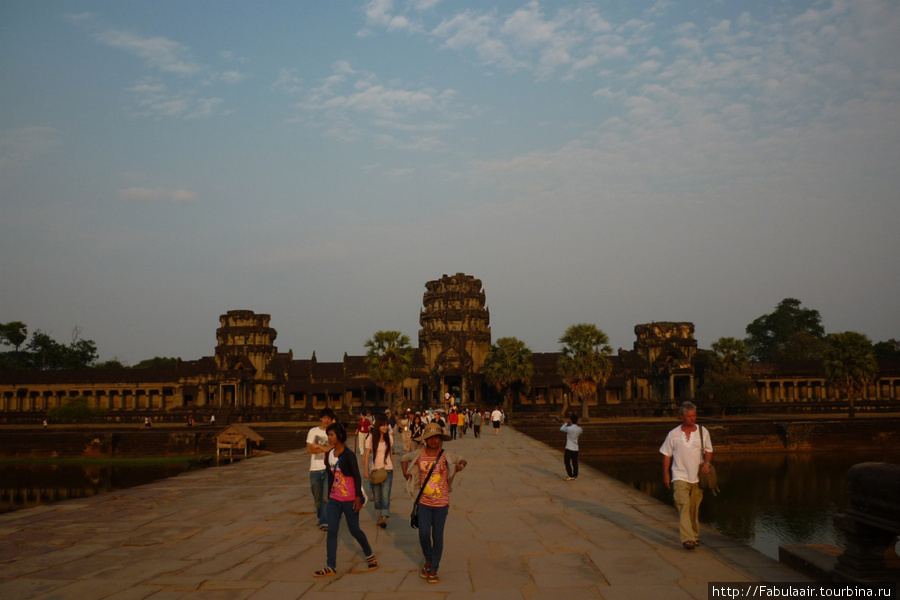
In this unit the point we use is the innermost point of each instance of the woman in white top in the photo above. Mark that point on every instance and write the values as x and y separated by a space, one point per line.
379 448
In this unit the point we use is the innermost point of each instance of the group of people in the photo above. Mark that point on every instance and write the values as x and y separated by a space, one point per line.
336 482
429 469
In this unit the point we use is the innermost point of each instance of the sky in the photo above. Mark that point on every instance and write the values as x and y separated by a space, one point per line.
605 162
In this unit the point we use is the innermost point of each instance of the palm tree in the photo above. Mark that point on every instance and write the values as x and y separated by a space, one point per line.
508 367
730 355
726 382
850 364
389 359
584 363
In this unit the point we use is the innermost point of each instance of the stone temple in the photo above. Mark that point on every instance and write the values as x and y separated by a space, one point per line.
248 376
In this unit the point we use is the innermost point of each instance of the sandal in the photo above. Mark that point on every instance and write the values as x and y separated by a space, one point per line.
423 572
382 522
372 561
433 578
326 572
689 545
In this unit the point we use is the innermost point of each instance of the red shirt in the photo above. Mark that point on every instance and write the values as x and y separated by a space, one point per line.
363 426
454 418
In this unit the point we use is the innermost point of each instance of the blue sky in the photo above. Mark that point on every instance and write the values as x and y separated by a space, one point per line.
616 163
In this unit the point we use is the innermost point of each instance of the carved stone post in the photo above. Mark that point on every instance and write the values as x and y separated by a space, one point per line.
871 524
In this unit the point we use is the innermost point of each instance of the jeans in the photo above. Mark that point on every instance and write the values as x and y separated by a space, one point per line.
381 495
453 429
318 481
334 510
431 533
570 457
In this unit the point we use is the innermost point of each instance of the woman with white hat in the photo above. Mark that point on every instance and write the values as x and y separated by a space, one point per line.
429 475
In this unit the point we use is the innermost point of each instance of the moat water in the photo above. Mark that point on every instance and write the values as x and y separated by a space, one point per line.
26 485
766 499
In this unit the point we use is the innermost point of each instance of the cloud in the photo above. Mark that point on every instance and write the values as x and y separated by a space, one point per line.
145 194
352 105
157 52
154 99
21 146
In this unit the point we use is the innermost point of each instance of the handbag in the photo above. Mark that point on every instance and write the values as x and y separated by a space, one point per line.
708 481
414 515
378 476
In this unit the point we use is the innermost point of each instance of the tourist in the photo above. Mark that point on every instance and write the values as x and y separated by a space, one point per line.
496 418
362 430
405 424
570 457
317 445
463 421
685 453
345 498
212 419
434 503
454 423
415 431
379 447
477 422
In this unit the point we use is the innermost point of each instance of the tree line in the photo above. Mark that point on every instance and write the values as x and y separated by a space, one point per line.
43 353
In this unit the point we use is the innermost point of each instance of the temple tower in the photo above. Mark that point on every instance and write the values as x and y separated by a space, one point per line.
245 349
455 337
667 350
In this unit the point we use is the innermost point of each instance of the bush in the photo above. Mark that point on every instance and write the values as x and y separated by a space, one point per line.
75 410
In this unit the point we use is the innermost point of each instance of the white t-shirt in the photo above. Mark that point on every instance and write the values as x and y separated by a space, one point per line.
496 416
317 435
685 453
379 460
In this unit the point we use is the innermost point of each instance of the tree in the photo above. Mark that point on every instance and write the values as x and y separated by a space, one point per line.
13 333
157 362
788 333
508 367
726 382
850 364
888 349
389 360
584 363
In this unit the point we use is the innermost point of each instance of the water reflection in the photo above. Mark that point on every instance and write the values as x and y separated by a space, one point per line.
766 499
33 484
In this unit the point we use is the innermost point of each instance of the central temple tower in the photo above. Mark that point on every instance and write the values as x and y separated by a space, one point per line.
455 337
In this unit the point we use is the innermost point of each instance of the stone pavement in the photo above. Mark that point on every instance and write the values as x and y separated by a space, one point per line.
517 530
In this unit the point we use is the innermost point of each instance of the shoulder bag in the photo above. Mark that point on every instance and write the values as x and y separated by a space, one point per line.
414 516
708 481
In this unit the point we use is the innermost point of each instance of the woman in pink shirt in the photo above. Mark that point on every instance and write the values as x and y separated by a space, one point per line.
345 499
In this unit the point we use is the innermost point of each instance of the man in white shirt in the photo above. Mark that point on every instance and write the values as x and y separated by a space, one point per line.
496 417
570 456
317 446
686 455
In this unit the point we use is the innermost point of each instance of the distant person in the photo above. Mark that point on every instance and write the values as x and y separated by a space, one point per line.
686 457
345 498
477 422
454 423
416 429
45 423
435 486
317 445
212 419
363 427
496 418
570 457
